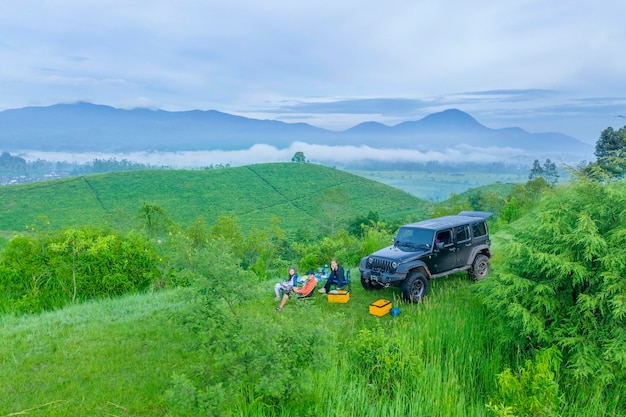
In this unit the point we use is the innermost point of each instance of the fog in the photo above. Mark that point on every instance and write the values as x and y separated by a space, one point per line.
313 153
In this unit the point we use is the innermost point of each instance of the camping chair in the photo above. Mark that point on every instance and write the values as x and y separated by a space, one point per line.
309 295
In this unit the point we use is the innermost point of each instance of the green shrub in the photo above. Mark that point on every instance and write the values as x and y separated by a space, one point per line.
74 265
533 391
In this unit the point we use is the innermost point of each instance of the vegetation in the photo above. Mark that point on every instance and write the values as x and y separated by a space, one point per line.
610 153
50 271
300 195
14 169
548 172
198 335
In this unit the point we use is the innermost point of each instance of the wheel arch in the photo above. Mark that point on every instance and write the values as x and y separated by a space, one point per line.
418 266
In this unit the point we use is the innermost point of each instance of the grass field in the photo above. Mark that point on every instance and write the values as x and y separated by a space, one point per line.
297 194
116 357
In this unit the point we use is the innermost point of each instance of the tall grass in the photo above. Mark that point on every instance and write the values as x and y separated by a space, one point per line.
455 359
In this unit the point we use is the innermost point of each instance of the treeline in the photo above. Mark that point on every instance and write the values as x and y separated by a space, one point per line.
12 166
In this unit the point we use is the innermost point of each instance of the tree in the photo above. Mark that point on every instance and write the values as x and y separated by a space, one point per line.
536 171
299 157
356 226
548 172
560 281
610 153
154 218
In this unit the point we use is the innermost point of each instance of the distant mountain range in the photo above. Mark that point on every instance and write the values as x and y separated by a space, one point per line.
85 127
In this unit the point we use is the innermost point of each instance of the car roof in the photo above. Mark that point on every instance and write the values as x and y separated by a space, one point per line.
464 217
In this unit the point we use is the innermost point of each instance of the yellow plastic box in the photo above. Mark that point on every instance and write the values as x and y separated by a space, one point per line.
339 296
380 307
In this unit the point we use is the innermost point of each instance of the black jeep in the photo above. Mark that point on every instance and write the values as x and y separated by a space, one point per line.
430 249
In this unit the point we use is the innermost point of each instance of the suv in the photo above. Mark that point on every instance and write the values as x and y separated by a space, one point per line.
430 249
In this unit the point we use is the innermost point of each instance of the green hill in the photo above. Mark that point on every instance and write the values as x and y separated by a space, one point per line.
296 193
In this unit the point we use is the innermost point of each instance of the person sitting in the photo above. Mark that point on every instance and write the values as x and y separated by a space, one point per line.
335 277
306 290
290 282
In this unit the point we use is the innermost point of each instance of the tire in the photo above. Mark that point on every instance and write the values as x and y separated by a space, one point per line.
369 285
480 268
414 287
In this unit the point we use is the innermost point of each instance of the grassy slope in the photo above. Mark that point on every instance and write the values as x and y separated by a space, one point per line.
296 193
116 357
100 358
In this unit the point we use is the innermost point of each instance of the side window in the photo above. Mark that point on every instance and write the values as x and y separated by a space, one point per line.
445 237
462 233
479 229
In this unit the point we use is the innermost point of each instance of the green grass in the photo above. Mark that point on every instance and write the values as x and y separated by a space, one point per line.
296 193
116 357
112 357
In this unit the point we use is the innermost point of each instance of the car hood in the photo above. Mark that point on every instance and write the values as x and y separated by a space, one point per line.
397 254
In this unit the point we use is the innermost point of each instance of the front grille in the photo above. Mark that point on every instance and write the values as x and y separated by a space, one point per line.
382 265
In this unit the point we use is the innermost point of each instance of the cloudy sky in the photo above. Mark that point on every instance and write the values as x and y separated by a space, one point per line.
540 65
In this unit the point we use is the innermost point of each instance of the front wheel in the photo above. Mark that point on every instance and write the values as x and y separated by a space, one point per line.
480 268
415 287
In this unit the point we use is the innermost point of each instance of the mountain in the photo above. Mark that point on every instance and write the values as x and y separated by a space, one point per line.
85 127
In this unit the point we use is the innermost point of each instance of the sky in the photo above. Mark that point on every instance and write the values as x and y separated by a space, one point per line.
544 66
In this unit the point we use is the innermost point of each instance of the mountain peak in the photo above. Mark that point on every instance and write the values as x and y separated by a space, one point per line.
451 118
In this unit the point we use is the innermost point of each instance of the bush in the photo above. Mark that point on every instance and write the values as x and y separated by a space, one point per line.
74 265
533 391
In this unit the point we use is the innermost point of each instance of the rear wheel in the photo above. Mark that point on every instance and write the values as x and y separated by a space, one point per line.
480 268
415 287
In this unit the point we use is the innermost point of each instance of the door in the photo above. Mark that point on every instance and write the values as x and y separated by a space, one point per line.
463 244
444 253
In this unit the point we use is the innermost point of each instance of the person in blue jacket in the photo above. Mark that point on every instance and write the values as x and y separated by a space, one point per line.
335 277
286 286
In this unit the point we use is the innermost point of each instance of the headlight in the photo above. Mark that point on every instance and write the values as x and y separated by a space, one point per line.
394 265
370 261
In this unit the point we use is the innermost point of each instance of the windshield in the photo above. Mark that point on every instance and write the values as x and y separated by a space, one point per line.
414 237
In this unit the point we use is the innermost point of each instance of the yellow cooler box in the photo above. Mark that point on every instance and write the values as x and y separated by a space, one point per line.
339 296
380 307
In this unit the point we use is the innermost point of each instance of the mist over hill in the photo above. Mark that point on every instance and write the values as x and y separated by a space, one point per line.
451 134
